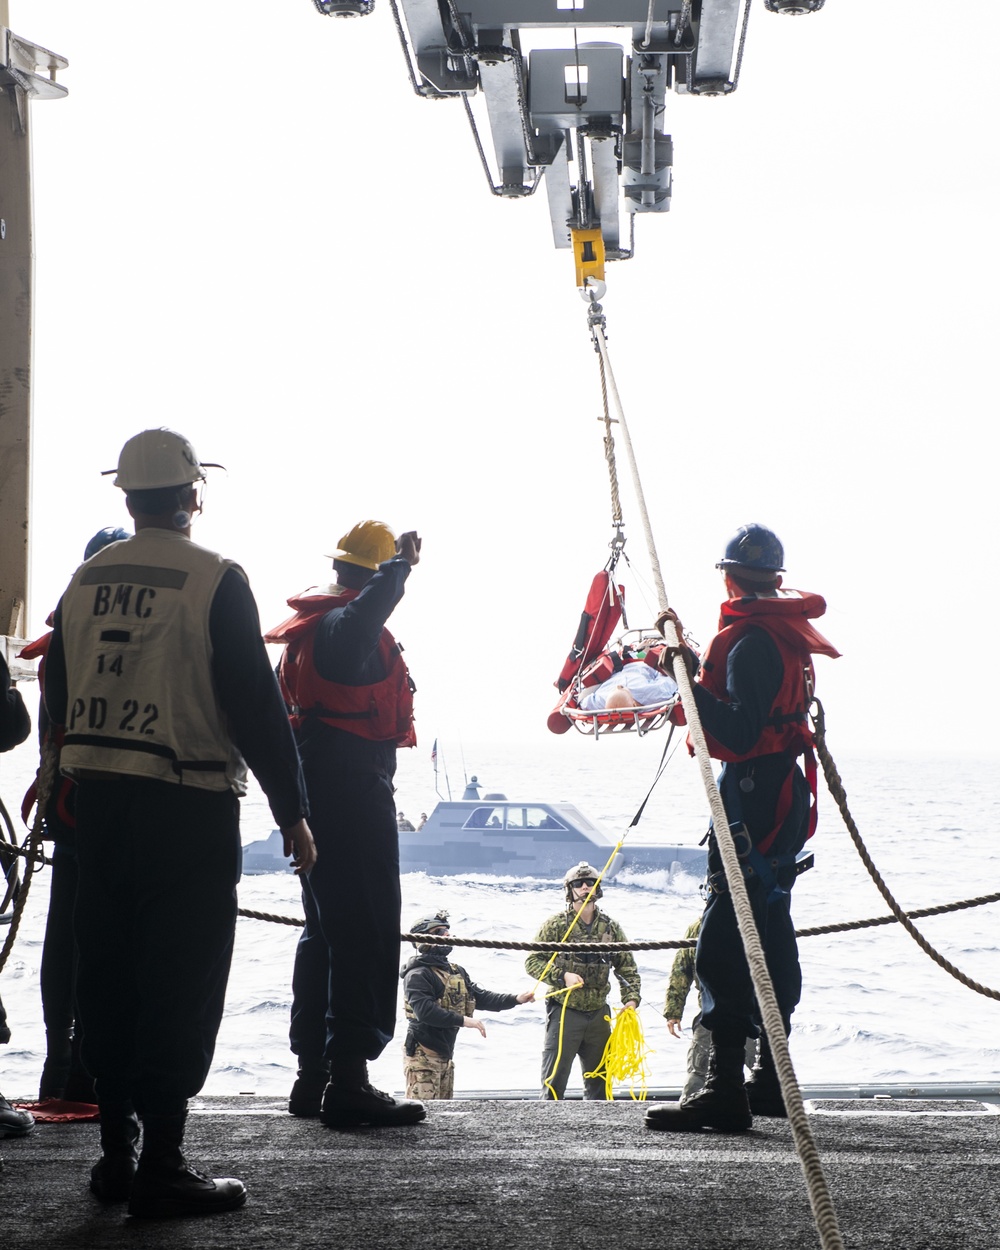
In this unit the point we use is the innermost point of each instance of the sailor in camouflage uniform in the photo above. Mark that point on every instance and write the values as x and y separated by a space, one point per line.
586 1026
440 998
699 1054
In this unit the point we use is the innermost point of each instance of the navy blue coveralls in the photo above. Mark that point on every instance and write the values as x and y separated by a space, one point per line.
346 977
754 673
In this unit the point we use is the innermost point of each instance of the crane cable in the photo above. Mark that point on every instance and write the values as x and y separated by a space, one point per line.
598 324
819 1194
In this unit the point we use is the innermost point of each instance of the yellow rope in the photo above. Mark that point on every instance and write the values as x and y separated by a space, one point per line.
547 1081
624 1057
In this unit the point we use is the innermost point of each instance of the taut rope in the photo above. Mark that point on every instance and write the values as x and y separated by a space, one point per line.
836 787
32 843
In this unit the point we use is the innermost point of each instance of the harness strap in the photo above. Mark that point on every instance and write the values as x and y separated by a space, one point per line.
786 718
148 748
326 713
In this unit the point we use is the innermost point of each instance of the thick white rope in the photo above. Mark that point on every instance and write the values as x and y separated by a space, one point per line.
819 1193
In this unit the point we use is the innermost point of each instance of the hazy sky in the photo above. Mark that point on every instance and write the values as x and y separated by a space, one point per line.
250 229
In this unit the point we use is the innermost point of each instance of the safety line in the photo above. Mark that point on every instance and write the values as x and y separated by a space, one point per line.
46 781
836 787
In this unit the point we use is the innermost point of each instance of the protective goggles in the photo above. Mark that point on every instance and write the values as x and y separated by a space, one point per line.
580 882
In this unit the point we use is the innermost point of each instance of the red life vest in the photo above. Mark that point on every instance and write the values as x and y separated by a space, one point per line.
786 619
380 712
38 650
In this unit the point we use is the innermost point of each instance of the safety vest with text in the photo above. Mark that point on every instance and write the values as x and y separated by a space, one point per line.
135 626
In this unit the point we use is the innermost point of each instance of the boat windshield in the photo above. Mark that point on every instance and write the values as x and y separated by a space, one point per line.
510 817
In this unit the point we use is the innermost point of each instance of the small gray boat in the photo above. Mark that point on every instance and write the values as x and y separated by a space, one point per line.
498 836
527 838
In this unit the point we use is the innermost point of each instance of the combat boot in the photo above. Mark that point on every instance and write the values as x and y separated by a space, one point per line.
112 1175
55 1069
722 1105
345 8
763 1088
14 1123
167 1186
350 1101
306 1097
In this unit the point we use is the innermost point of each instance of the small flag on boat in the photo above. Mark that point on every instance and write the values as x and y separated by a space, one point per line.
434 754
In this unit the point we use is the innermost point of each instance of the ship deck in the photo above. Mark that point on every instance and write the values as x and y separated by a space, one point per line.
491 1172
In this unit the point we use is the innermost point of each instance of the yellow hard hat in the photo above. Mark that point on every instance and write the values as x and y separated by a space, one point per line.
369 543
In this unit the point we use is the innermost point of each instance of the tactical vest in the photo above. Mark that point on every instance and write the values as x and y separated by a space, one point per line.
380 712
455 994
595 969
139 665
784 619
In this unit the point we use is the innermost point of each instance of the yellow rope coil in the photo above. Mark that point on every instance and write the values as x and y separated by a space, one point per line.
624 1057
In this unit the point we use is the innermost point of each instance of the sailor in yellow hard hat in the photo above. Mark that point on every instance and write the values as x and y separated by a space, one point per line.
350 699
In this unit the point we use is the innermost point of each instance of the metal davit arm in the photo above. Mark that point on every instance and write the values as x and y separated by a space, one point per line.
27 71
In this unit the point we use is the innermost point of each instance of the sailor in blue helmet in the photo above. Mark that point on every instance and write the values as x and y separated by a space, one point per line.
752 693
63 1073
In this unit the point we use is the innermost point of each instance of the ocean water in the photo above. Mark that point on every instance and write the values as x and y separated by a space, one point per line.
874 1006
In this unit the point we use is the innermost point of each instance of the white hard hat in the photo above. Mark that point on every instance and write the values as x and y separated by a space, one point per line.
158 458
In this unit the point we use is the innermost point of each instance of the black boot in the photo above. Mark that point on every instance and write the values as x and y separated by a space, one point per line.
306 1097
58 1058
112 1175
721 1105
349 1101
14 1123
763 1087
167 1186
345 8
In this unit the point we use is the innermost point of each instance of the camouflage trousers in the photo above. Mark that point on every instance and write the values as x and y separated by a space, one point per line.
699 1057
428 1076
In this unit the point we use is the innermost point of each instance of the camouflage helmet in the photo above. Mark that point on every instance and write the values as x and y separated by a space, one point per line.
428 924
582 872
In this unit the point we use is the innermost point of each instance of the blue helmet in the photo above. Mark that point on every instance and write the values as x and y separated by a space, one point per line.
754 547
103 538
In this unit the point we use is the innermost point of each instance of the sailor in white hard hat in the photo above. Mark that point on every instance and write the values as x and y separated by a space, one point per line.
158 673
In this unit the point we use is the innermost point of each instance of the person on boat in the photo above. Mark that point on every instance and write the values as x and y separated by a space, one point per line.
579 1027
699 1055
63 1073
440 998
158 676
752 695
350 698
15 725
403 824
